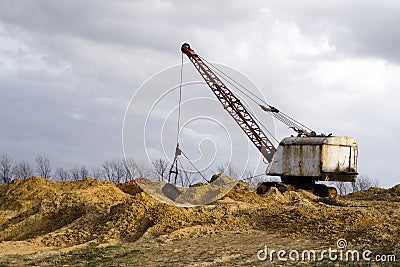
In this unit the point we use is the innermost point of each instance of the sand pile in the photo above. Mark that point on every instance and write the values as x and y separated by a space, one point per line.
132 187
37 206
196 195
64 214
379 194
70 213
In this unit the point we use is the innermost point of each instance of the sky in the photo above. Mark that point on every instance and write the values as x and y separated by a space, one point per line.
69 69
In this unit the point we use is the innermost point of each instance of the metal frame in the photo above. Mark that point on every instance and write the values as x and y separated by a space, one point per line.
233 105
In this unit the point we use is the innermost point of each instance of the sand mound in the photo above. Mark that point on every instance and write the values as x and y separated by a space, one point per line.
375 193
71 213
65 214
132 187
38 206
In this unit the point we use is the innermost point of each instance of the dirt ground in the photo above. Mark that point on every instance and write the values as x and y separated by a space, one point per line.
92 223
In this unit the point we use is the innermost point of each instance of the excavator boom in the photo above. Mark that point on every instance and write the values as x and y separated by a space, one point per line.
233 105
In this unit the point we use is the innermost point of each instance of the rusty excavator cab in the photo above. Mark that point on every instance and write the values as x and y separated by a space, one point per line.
302 161
319 158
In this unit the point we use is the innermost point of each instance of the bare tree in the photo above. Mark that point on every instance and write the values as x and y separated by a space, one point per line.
344 187
160 167
130 169
97 173
118 170
227 169
114 170
186 177
23 170
43 167
107 170
143 170
61 174
83 172
75 173
6 168
363 183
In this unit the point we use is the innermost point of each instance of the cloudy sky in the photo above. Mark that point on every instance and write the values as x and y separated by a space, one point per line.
68 69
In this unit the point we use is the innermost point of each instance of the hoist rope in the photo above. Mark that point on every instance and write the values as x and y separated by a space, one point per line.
295 121
285 119
278 115
221 73
228 79
263 126
179 102
174 166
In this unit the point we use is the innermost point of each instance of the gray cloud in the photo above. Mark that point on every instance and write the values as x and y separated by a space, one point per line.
68 69
364 28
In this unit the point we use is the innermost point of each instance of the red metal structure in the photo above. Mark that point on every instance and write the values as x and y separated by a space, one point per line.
232 104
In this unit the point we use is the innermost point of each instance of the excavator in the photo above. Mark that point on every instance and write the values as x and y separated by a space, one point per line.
302 160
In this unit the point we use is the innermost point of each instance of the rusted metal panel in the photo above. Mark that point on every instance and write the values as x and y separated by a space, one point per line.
296 160
338 159
339 155
276 165
301 160
322 157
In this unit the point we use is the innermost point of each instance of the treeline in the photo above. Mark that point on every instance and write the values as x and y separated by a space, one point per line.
361 183
120 171
117 171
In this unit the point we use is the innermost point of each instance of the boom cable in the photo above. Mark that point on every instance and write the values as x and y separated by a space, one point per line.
191 163
230 80
285 119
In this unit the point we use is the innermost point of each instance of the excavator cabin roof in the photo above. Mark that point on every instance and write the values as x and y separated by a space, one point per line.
320 140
